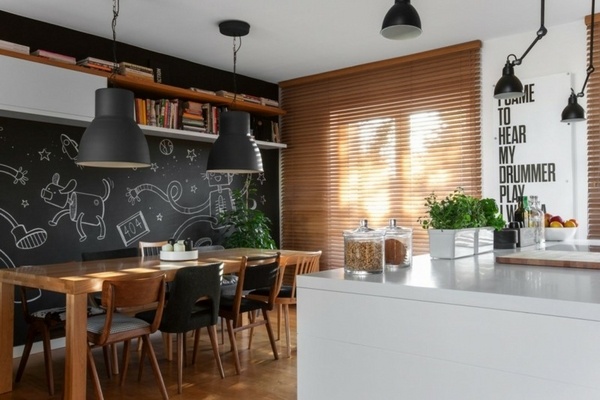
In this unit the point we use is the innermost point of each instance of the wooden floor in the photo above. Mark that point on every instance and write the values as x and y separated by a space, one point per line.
262 376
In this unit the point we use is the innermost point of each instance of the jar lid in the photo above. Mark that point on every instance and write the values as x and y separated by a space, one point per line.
363 231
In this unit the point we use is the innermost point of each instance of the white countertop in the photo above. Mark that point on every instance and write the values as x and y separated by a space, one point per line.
480 282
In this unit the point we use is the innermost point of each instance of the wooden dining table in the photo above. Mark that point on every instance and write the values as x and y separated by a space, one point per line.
76 280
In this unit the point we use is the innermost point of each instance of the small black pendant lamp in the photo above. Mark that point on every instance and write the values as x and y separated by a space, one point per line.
113 139
509 86
573 112
235 150
402 21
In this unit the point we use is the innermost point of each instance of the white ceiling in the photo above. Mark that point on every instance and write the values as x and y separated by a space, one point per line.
295 38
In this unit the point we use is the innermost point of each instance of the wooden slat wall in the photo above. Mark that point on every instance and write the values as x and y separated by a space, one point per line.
373 141
593 135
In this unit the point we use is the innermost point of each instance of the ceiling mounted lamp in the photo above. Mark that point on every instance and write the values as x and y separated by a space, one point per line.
235 150
113 139
573 112
402 21
509 86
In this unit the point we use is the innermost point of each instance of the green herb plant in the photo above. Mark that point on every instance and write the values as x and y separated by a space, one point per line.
246 227
459 210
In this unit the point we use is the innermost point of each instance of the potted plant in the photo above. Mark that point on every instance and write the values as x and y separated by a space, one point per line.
460 225
246 227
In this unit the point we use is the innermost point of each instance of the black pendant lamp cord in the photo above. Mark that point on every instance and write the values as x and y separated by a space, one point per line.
590 67
116 7
235 51
539 35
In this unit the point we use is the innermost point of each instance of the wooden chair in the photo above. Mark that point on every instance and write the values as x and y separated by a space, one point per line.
127 293
287 292
150 248
254 273
184 312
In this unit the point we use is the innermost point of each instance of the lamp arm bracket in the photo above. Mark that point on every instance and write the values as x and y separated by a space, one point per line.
539 35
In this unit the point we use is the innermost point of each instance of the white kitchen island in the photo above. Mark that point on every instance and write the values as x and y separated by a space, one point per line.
451 329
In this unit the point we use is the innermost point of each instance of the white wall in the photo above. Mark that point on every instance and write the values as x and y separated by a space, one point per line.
562 50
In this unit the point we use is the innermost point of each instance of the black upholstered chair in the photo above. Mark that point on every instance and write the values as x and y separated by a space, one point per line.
193 304
254 273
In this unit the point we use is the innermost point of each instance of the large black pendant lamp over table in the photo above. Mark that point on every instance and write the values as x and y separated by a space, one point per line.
573 112
235 150
509 86
113 139
402 21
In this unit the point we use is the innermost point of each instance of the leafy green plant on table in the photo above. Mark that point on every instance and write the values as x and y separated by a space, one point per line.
459 210
246 227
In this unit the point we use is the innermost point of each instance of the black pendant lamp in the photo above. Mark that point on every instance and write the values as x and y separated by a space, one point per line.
573 112
235 150
509 86
113 139
402 21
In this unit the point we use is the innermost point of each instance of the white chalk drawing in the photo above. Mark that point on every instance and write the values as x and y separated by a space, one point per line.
69 146
261 178
82 208
18 174
44 155
159 217
194 188
24 203
191 155
166 147
133 228
24 239
154 167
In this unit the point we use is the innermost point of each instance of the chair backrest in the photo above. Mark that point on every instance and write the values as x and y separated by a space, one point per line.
108 254
306 264
214 247
132 293
256 273
190 284
150 248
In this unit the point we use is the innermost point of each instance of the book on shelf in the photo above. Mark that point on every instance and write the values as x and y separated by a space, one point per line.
251 99
225 93
195 89
192 107
135 67
269 102
130 73
97 63
17 48
55 56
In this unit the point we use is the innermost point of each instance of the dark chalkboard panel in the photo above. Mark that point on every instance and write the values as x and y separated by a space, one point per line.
54 210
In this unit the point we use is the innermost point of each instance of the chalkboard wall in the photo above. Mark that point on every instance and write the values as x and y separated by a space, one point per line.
53 210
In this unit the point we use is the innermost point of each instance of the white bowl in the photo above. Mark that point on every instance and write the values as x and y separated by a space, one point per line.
179 255
560 234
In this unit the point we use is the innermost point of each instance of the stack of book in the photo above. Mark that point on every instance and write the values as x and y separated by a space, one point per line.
55 56
163 112
19 48
192 118
269 102
136 71
195 89
97 63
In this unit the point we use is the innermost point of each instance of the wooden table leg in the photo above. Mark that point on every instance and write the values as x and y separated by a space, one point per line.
7 311
76 347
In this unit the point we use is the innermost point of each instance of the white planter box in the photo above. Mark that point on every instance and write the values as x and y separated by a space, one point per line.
457 243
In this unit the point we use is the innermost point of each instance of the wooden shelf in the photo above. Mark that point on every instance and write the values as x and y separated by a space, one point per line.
18 103
157 89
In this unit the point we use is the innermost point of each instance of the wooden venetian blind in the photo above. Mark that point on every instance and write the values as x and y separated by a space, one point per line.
373 141
593 135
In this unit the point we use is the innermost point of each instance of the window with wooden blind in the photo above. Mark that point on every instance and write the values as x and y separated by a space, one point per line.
372 141
593 135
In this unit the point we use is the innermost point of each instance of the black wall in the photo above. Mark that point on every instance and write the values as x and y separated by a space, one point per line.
54 210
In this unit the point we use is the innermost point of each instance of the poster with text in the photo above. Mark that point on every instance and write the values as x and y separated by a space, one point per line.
534 149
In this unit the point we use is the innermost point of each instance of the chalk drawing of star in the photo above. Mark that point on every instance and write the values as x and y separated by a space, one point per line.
261 178
194 188
263 199
24 203
44 155
192 154
154 167
159 217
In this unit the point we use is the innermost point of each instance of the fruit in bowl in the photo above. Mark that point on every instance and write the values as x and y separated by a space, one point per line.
559 229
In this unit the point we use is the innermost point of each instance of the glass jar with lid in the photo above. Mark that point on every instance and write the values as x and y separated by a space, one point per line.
363 250
398 246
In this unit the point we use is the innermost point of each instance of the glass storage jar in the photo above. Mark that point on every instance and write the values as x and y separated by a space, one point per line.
363 250
398 246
